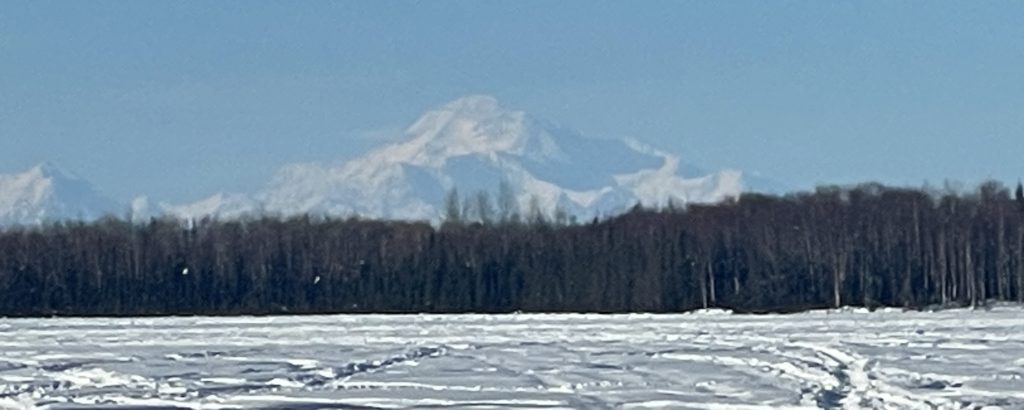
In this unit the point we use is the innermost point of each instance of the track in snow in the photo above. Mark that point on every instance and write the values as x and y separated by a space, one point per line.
828 359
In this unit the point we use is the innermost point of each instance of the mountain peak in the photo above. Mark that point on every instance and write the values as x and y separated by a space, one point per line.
474 104
45 169
462 116
49 171
475 124
45 192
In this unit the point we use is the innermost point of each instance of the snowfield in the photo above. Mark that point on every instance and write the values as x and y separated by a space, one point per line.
705 360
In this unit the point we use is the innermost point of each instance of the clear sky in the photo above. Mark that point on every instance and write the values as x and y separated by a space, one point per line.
182 99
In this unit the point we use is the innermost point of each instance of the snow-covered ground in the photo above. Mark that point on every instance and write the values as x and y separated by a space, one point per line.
825 359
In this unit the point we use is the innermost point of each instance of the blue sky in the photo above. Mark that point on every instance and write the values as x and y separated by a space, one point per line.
179 100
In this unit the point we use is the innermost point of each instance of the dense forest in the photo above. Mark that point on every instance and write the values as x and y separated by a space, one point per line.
867 245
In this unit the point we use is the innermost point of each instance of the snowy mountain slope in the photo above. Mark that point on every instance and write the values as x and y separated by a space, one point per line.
44 193
221 205
473 144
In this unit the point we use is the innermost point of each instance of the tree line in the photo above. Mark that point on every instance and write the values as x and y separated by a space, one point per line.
867 245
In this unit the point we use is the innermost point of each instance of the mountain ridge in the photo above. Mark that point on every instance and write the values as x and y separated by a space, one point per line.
471 144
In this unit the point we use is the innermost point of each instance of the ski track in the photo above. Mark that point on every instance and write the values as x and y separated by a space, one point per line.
842 359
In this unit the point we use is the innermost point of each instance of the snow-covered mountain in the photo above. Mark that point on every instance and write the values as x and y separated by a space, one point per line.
472 145
44 193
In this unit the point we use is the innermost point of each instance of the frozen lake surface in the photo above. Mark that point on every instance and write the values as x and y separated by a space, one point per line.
823 359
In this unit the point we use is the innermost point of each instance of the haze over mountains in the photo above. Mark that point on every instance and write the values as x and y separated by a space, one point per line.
472 144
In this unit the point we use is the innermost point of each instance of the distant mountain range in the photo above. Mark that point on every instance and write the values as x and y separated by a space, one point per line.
472 144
